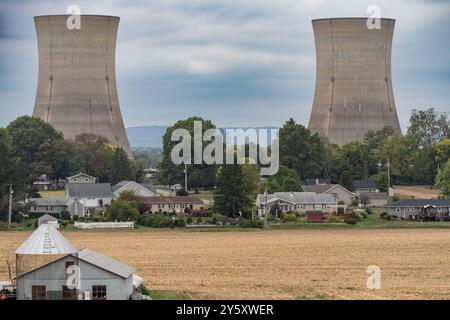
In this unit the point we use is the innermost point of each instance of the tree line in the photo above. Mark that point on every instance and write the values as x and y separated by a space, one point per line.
30 148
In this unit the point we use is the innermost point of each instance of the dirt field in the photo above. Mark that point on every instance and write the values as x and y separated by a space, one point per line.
417 192
284 264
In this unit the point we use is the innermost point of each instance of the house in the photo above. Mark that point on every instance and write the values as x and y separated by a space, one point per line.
48 219
317 181
420 209
295 201
141 189
42 183
373 199
81 178
91 196
48 205
177 204
367 185
341 194
94 276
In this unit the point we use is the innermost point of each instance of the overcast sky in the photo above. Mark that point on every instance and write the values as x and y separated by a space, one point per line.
238 63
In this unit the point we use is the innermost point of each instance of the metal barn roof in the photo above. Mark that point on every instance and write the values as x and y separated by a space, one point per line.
46 240
105 262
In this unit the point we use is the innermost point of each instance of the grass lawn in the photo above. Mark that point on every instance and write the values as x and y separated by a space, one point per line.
169 295
52 193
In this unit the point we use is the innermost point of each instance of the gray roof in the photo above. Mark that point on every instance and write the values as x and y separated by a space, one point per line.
323 188
48 201
298 197
105 262
46 240
147 186
47 217
374 195
87 190
420 203
364 184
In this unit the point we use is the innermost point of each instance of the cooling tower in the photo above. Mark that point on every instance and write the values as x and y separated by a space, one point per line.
77 90
353 91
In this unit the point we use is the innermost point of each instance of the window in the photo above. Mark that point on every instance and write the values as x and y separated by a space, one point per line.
98 292
100 202
38 293
86 180
75 179
68 294
69 263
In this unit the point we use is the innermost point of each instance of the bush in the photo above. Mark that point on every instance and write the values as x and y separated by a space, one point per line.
180 223
333 219
189 220
64 215
182 192
355 202
245 223
289 216
359 214
350 220
120 210
394 198
155 221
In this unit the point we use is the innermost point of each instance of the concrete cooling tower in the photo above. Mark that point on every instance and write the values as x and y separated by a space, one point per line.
353 79
77 90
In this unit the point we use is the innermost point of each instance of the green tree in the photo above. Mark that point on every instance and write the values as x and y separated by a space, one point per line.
35 143
285 180
302 151
121 167
443 180
121 210
427 127
199 175
232 193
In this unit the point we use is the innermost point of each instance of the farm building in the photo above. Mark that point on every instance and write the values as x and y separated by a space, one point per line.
91 195
421 209
373 199
43 273
339 193
48 219
295 201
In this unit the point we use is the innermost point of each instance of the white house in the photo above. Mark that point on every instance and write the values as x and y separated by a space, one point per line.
340 193
93 196
141 189
296 201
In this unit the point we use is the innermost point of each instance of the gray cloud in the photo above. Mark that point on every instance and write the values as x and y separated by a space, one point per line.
248 62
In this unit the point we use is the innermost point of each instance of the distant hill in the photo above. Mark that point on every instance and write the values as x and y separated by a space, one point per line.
151 136
146 136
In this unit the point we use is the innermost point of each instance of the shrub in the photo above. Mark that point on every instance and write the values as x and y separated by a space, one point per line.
355 202
246 223
289 216
189 220
350 220
75 218
182 192
394 198
121 210
64 223
214 220
155 221
359 214
199 220
64 215
180 223
333 219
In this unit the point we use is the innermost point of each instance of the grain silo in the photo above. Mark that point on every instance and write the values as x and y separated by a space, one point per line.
76 90
353 92
45 244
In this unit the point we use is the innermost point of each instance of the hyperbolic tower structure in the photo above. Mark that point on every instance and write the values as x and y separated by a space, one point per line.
353 91
77 90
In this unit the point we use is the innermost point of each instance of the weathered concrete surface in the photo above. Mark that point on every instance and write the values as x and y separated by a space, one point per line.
77 90
353 79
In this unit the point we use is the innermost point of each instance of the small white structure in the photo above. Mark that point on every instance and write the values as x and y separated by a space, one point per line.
104 225
48 219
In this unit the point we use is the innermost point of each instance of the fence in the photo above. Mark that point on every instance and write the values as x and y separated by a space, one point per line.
104 225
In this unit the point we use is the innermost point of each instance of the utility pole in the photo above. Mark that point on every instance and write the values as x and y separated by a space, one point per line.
388 175
185 177
265 210
10 204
